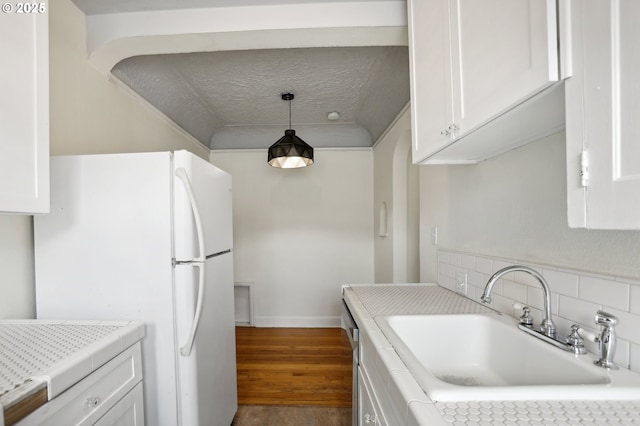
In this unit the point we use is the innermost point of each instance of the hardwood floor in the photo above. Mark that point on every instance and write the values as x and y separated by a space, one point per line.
293 366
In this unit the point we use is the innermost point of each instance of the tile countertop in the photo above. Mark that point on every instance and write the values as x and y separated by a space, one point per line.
369 301
38 354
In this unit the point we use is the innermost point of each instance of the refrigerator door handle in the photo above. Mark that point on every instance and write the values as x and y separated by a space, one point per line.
185 350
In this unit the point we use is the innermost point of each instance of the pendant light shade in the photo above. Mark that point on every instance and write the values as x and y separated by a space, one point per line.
290 152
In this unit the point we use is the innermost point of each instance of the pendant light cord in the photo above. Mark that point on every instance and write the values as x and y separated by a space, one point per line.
289 114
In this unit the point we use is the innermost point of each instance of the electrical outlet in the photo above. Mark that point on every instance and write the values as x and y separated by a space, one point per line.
461 283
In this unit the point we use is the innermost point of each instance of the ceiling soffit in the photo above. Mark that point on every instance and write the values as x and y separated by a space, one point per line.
218 72
116 36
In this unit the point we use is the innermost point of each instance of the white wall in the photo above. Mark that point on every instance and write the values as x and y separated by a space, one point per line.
383 193
88 114
299 234
91 114
395 185
514 206
16 267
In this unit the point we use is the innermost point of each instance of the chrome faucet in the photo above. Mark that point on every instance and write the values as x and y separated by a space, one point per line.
606 340
547 327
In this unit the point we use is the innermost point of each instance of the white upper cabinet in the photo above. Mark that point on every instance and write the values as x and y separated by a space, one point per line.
603 115
24 108
430 76
482 77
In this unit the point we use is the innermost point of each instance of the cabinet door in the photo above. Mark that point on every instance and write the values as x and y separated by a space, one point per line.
24 108
503 52
475 63
93 396
603 108
368 410
129 411
430 76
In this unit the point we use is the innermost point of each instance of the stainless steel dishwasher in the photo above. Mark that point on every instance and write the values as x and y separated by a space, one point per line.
349 324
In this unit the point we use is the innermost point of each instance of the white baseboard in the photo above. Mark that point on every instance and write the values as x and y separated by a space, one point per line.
303 322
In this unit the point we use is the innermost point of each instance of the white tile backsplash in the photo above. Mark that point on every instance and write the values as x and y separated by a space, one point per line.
635 300
580 311
616 295
525 278
484 265
629 326
535 298
514 290
448 270
634 355
455 258
477 279
468 262
562 282
576 296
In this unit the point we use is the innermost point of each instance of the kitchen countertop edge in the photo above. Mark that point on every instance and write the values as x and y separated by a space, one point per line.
66 372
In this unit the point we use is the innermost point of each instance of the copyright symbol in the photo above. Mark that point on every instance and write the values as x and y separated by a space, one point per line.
7 7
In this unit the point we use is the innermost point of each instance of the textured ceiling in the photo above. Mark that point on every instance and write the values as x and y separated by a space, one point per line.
231 99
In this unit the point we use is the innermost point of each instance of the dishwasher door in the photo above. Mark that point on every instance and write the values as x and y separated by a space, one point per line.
350 326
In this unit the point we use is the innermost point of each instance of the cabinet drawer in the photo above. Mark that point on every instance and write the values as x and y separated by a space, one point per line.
129 411
89 399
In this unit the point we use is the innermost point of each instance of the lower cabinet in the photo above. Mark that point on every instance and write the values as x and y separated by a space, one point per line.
129 411
369 411
111 395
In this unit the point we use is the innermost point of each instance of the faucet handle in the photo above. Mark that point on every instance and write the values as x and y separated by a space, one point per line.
586 334
526 318
575 341
606 319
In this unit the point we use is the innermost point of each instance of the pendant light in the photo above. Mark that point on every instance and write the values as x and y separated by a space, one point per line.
290 152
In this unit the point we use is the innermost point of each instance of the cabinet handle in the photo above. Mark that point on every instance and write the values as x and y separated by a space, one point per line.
454 127
92 402
445 132
368 418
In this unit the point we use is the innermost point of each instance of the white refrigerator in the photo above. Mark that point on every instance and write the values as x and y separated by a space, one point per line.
148 236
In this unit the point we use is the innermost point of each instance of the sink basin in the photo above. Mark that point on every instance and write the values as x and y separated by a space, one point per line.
486 357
